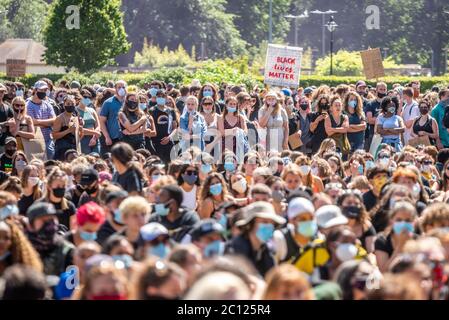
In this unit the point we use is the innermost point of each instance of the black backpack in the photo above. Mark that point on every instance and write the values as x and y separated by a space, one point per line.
446 117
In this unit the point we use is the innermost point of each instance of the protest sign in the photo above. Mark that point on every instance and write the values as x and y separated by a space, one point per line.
15 68
282 66
372 63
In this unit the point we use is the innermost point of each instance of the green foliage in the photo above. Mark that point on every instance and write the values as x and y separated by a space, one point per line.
153 56
100 38
24 19
346 63
174 75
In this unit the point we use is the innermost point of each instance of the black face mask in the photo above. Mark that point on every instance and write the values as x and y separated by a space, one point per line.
41 95
92 190
351 212
132 105
324 106
10 152
59 192
304 106
381 95
69 109
44 239
424 111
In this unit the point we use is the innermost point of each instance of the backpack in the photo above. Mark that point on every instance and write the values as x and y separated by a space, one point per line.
446 117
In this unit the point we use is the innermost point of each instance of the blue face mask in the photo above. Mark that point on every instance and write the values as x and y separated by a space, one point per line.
216 189
399 226
352 104
160 101
8 211
229 166
369 164
206 168
307 228
125 258
153 92
231 109
161 209
88 236
207 93
360 169
223 221
215 248
155 177
265 232
19 93
142 106
161 251
118 216
86 101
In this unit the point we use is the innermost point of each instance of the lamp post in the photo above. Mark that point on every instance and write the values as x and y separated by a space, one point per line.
323 35
270 22
331 26
296 18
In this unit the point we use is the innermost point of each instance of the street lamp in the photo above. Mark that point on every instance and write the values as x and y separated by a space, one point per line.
296 18
331 26
270 27
323 15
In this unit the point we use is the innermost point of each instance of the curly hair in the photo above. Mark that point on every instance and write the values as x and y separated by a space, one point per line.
205 192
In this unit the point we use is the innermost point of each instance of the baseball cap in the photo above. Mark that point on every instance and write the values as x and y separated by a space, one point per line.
88 177
308 90
75 85
260 209
9 140
287 92
152 230
360 83
120 194
40 85
40 209
330 216
299 206
205 227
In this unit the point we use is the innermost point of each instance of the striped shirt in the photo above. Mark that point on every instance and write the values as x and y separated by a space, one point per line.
42 111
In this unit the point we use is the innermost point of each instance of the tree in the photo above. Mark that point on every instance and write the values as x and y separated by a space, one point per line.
23 19
252 19
100 37
169 23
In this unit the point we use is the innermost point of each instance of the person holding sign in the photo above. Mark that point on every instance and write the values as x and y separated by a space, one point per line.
337 125
275 119
22 127
425 125
65 128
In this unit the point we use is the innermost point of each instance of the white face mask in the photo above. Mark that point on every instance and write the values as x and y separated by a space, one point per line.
315 171
305 169
240 186
32 181
346 251
121 92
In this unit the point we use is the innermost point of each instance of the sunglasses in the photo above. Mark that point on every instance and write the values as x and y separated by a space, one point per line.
191 172
207 103
18 105
158 241
384 156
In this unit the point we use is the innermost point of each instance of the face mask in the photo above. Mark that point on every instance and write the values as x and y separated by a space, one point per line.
278 196
360 169
41 95
265 232
307 228
304 106
19 93
315 171
207 111
10 152
20 165
240 186
231 109
399 226
215 248
381 95
32 181
48 231
8 211
142 106
346 251
305 169
229 166
384 161
352 212
121 92
126 259
160 101
161 209
118 216
161 251
153 92
86 101
88 236
132 105
223 221
324 106
207 93
369 164
352 104
190 180
392 110
155 177
424 111
216 189
92 190
206 168
5 255
69 109
378 183
271 103
59 192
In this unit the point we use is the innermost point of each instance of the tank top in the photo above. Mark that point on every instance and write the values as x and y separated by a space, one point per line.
189 198
234 139
427 127
68 138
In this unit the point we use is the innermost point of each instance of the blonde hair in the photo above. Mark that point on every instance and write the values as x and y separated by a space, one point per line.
291 169
286 275
437 213
56 173
134 204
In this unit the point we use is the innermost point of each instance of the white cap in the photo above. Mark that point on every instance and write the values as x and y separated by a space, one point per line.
299 206
152 230
41 85
330 216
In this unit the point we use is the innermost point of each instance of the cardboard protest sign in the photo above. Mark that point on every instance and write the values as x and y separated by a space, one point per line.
282 66
372 63
35 148
15 68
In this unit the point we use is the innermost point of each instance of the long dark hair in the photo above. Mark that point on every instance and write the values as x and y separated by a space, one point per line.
125 108
183 170
124 154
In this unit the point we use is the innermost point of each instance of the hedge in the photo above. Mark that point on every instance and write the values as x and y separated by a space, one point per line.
184 76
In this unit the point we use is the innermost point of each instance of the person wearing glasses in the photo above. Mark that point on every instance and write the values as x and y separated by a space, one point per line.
211 137
65 129
189 183
23 127
90 142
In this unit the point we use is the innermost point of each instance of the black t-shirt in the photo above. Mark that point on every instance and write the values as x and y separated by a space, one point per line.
3 176
368 233
181 226
129 180
373 107
5 114
180 106
63 215
74 194
24 203
5 163
85 198
162 120
319 134
105 231
369 200
383 243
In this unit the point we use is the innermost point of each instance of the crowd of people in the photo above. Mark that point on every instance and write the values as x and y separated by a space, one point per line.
219 191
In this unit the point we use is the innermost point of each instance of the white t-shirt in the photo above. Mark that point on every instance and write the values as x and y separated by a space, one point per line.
409 112
189 198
